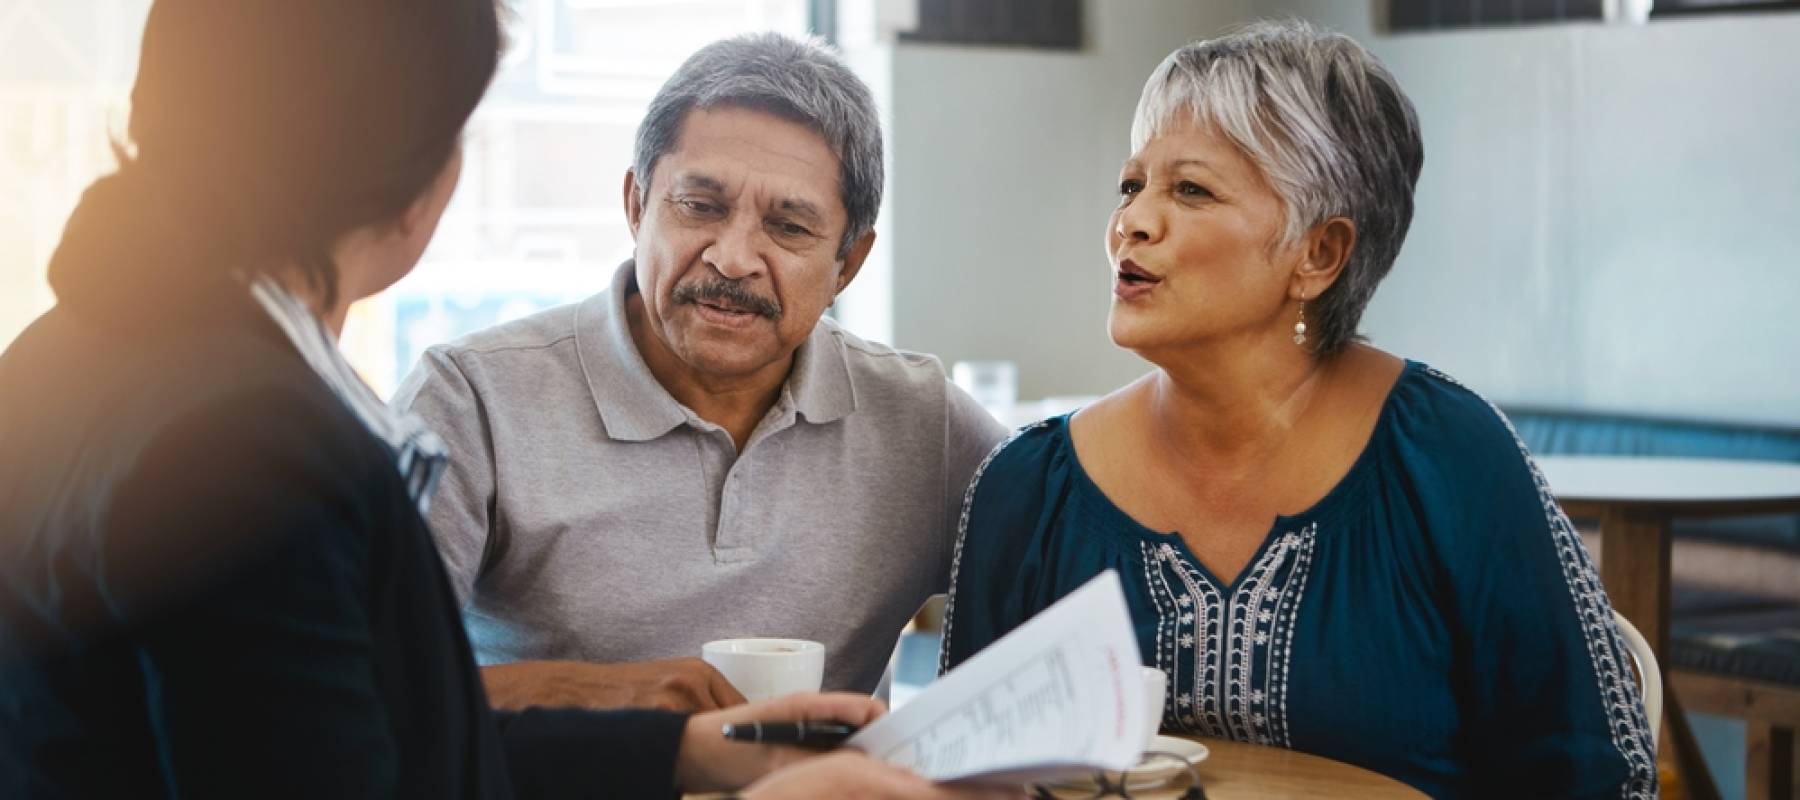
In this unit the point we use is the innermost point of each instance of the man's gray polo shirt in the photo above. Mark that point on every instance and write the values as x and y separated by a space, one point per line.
588 515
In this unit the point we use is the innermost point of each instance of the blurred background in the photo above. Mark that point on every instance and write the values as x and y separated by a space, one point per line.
1607 220
1606 217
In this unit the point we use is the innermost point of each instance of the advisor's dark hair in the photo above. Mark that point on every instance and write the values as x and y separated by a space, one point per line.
261 131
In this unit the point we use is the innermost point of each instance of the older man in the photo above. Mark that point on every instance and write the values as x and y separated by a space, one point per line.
694 453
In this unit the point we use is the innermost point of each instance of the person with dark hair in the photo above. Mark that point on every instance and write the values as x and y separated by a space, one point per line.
215 575
698 452
1324 547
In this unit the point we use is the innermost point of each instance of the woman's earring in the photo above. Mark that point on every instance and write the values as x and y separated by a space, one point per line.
1300 326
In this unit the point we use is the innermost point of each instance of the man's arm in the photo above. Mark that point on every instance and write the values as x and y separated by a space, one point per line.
461 513
680 684
462 518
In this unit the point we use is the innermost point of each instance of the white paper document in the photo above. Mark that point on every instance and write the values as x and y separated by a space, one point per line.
1059 696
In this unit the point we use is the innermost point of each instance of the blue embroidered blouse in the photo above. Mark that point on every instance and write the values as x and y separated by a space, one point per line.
1434 618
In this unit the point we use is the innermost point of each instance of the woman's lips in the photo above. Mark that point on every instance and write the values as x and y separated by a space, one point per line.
1130 269
1131 281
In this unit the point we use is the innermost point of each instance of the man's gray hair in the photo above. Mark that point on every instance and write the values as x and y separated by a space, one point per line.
796 79
1328 127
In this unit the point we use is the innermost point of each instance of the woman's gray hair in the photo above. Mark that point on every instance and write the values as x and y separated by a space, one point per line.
796 79
1328 127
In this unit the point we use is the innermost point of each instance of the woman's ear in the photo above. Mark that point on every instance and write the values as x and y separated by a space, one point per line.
1328 248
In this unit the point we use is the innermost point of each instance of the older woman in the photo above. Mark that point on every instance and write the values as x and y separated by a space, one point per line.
1324 546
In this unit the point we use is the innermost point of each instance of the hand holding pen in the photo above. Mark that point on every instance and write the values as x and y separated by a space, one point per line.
710 762
816 735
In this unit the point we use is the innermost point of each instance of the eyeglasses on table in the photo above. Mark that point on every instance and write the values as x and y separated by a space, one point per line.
1117 784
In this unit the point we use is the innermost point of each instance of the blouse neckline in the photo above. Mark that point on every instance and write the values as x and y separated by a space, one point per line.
1328 508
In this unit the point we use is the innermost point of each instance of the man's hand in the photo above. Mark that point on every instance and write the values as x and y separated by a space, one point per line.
680 684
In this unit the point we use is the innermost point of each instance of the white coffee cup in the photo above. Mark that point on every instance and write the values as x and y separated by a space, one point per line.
1155 684
766 668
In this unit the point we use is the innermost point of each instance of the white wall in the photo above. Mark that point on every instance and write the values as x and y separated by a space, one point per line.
1609 216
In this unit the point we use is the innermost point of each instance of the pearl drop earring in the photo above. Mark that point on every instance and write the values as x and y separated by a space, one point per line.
1300 326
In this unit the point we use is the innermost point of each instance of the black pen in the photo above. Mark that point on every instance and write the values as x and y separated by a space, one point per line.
814 735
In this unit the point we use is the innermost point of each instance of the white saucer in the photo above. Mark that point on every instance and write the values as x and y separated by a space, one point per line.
1161 773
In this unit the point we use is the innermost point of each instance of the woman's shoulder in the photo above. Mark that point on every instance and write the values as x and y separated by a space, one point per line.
1457 453
258 398
226 387
1023 460
1040 465
1033 470
1029 448
1435 413
238 403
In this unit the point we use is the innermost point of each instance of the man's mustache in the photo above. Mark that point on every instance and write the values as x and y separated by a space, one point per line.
729 293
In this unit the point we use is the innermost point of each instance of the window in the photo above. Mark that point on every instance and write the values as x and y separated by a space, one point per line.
1665 8
1049 24
1421 15
65 76
538 220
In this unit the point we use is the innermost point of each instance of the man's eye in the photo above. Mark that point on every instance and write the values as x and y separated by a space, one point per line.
698 207
1192 189
792 229
1130 186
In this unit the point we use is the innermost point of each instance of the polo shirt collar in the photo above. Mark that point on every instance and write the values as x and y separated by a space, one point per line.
819 385
635 407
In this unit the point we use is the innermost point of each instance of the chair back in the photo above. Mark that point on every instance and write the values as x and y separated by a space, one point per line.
1649 675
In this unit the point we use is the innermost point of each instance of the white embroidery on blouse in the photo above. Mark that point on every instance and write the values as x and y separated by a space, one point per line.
1229 675
1606 649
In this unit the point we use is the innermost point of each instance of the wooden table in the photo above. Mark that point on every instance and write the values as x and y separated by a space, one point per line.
1635 498
1237 770
1234 770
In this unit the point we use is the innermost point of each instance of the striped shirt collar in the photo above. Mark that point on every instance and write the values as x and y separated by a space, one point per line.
418 452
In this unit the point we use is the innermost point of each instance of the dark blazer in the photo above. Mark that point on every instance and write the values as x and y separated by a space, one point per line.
213 583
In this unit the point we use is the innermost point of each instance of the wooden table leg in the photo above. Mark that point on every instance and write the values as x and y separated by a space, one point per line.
1635 550
1634 567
